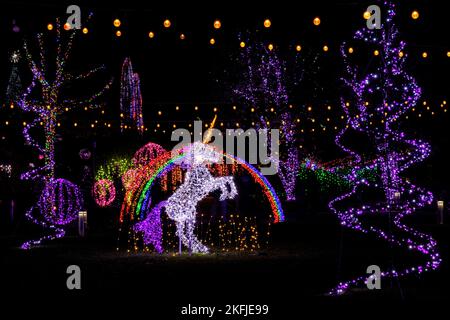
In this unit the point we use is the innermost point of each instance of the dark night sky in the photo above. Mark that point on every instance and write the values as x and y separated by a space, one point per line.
192 72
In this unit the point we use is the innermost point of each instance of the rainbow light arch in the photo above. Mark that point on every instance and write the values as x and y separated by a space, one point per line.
137 196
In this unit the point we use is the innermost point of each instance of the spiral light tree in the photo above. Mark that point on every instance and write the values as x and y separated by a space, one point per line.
60 199
130 99
263 90
379 98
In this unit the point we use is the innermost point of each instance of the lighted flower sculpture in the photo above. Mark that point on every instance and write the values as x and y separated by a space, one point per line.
181 206
380 98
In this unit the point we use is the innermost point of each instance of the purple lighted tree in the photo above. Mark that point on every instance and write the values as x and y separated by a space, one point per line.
378 100
60 200
264 93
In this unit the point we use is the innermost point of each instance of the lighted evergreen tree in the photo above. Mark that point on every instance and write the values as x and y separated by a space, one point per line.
14 88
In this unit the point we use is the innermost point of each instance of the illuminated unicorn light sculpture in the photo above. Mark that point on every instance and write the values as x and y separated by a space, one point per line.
181 206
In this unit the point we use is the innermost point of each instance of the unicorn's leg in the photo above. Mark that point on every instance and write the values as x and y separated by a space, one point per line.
222 183
181 236
233 190
194 243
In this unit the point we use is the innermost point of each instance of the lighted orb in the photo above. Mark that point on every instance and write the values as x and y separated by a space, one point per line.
104 192
298 48
118 33
267 23
67 26
325 48
60 202
147 153
376 53
242 44
151 34
316 21
401 54
167 23
424 55
270 47
128 177
366 15
415 15
84 154
50 27
182 36
212 41
117 23
217 24
448 54
350 50
85 30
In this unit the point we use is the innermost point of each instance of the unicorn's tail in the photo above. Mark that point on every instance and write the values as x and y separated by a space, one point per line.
151 227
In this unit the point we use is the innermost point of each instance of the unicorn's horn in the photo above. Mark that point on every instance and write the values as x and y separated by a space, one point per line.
208 133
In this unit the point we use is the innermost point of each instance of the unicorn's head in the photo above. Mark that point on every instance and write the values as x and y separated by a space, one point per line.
199 153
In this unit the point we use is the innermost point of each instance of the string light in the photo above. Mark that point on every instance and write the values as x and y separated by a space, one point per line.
104 192
59 204
147 154
130 98
47 107
268 70
6 169
389 160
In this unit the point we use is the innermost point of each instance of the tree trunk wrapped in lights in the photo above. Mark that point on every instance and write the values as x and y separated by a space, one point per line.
263 90
43 97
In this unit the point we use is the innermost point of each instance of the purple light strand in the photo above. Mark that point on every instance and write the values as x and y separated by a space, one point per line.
59 204
395 101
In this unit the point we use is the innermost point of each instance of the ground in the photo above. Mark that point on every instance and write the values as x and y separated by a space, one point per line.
304 261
